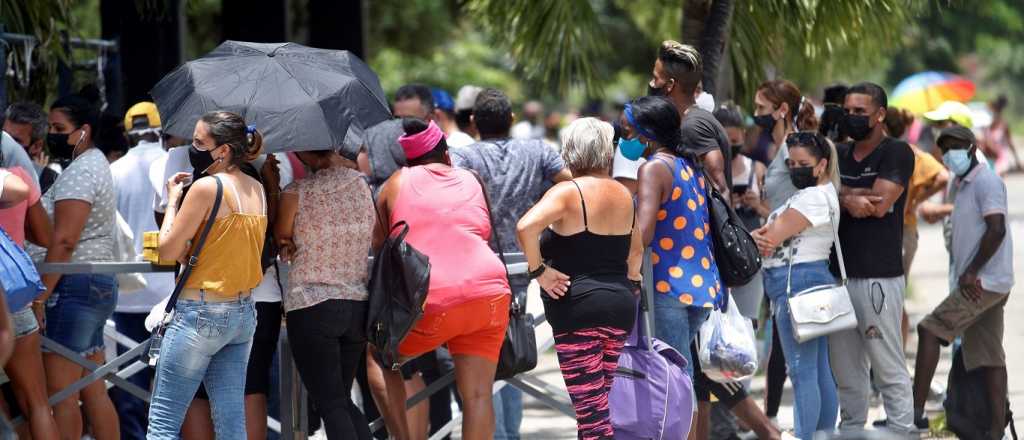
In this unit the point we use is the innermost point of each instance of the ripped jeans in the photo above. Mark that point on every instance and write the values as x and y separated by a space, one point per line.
875 345
209 343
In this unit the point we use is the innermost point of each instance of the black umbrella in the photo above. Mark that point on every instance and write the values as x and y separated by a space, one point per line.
300 98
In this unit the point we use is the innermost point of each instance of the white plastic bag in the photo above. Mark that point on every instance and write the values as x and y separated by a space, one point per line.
726 347
124 251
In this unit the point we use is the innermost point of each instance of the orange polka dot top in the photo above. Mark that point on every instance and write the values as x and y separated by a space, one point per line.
684 265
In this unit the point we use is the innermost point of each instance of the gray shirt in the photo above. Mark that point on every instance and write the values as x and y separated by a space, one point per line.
517 173
978 194
778 188
88 178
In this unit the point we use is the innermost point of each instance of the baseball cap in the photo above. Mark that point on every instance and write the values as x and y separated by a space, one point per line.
466 98
957 132
442 99
955 111
144 108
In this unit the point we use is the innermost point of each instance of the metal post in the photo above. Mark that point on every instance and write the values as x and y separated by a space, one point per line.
294 411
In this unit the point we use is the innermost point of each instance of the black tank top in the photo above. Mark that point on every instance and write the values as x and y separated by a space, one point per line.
599 292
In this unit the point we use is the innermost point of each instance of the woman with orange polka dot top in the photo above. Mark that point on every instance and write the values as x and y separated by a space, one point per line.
673 218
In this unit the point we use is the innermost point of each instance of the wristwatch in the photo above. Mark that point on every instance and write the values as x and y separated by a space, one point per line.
538 271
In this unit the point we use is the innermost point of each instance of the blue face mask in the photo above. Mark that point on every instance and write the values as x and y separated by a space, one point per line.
958 161
631 149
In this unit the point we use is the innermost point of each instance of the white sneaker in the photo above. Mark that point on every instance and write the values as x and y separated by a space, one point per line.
787 436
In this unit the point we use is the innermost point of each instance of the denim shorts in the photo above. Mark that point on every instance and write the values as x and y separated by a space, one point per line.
78 310
677 324
24 322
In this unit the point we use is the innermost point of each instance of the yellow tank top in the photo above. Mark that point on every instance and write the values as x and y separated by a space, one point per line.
230 260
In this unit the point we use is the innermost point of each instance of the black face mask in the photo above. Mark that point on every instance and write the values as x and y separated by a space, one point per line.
802 177
857 126
766 122
57 144
737 150
656 91
200 160
831 122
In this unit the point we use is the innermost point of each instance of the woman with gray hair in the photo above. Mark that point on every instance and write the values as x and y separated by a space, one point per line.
583 248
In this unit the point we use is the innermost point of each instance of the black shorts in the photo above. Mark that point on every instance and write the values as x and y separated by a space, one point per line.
264 347
729 394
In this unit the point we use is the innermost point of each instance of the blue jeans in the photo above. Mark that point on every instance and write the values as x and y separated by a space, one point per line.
78 309
677 325
816 403
208 343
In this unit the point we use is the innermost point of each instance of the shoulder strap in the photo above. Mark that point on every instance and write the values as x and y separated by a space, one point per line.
839 253
194 258
583 203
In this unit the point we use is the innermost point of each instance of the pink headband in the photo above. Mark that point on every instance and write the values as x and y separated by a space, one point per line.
421 143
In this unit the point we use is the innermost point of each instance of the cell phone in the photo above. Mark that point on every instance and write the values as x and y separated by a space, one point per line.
740 189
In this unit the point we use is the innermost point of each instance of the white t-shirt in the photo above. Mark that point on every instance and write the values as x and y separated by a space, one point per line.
176 161
625 168
820 206
459 139
135 197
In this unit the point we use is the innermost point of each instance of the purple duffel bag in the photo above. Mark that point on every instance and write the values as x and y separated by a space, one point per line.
652 395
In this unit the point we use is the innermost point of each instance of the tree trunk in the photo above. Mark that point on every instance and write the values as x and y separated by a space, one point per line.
337 24
150 46
706 25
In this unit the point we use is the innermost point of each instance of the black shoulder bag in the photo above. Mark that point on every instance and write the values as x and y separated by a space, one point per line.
735 251
152 354
399 282
519 351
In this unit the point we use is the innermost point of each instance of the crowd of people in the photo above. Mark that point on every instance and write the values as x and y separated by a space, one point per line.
281 240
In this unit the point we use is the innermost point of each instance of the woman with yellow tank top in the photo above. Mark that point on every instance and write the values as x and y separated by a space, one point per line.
209 337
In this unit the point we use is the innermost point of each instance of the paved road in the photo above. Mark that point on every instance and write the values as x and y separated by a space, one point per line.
929 286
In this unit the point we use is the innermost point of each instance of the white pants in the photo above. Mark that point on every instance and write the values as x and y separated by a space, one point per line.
875 345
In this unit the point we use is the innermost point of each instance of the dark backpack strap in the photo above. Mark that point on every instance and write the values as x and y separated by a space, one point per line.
194 258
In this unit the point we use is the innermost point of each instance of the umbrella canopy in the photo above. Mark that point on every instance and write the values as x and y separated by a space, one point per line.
300 98
925 91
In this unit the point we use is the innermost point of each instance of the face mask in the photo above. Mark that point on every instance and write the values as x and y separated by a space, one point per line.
737 150
802 177
857 126
656 91
831 120
58 145
201 160
958 161
631 149
766 122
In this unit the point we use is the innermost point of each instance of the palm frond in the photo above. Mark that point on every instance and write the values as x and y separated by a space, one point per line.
550 42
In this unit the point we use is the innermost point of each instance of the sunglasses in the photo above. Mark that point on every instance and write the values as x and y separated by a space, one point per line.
808 139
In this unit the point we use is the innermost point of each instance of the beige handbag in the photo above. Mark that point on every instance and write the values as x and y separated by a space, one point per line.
821 310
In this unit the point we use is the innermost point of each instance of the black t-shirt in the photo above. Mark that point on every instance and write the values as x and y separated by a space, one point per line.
701 133
873 247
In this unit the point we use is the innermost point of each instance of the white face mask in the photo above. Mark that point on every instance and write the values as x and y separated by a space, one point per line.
706 101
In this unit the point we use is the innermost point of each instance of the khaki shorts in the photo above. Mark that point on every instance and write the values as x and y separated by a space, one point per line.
979 323
909 247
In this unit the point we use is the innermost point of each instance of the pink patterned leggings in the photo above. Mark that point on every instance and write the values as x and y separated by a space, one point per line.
588 358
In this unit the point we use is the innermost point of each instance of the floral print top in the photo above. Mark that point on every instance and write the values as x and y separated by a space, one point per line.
332 234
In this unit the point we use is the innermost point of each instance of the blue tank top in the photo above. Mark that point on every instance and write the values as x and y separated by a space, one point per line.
684 264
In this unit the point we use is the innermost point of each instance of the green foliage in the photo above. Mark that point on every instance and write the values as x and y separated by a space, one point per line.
45 20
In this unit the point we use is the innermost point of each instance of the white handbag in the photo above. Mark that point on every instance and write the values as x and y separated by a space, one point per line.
820 310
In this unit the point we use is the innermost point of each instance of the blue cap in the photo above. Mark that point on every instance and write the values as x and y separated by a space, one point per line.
442 100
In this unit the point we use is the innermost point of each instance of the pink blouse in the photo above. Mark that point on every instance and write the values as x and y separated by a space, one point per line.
448 221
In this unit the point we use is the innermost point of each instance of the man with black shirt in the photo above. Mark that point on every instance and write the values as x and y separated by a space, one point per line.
677 76
875 171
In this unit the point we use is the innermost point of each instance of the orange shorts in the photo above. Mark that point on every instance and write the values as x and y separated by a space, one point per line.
474 328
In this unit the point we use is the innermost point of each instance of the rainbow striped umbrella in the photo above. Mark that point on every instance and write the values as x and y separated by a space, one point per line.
925 91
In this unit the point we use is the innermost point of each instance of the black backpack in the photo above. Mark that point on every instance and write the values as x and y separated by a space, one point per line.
967 405
399 281
736 253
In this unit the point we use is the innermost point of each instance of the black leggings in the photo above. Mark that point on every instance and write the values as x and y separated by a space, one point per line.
328 343
775 378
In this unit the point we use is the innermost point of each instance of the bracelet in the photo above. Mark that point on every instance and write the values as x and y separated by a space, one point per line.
538 271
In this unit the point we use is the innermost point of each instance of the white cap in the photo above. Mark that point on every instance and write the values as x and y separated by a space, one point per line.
706 101
955 111
466 98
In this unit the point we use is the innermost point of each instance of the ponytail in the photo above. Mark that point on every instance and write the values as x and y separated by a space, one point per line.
806 119
833 163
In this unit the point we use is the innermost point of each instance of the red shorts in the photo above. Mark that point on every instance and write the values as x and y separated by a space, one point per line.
474 328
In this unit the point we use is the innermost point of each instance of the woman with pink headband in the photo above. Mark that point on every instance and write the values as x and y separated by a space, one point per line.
468 299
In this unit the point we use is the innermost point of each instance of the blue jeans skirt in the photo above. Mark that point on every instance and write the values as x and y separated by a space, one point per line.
78 310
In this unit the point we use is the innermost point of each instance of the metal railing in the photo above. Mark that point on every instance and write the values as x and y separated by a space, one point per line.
294 400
